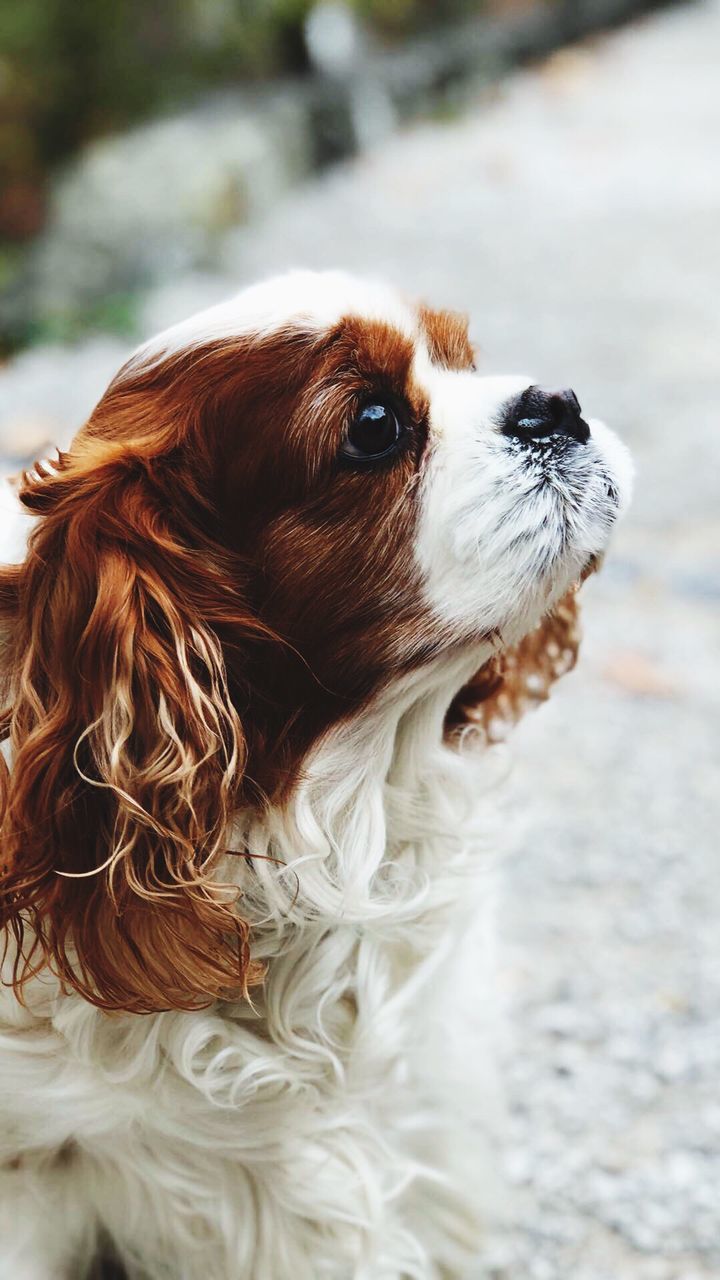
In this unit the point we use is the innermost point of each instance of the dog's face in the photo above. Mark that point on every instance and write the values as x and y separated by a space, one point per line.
389 502
278 511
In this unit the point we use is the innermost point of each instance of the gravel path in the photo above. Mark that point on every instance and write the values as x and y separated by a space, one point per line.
576 213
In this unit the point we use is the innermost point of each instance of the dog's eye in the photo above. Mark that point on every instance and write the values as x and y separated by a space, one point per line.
374 433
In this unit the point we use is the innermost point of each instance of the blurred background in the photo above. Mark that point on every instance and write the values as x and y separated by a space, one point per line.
552 168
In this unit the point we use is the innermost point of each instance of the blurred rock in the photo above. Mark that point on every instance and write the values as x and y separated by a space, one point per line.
146 206
153 203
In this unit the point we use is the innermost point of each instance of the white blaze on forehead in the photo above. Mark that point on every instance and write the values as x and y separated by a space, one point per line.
313 300
461 402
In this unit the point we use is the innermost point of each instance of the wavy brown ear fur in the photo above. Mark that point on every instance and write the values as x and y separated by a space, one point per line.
519 678
127 750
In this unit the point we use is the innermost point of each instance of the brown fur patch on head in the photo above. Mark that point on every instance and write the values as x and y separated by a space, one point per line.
446 335
334 572
520 678
209 588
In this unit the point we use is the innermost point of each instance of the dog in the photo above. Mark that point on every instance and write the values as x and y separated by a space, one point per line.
300 569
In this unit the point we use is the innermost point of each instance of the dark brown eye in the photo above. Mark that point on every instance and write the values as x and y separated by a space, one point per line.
374 433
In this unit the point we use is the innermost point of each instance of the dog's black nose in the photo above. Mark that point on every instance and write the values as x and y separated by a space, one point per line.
538 414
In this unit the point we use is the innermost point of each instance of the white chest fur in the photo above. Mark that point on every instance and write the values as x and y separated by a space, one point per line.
343 1127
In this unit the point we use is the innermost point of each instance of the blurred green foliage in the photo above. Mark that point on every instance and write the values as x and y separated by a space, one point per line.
73 69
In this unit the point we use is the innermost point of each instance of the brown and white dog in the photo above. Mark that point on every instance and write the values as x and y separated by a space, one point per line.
290 575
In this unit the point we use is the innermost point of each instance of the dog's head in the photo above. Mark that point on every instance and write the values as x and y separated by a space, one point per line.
278 512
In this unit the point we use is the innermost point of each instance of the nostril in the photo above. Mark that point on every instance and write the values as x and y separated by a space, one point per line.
539 414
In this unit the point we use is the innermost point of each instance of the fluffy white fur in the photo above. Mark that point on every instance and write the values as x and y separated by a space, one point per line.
350 1143
341 1127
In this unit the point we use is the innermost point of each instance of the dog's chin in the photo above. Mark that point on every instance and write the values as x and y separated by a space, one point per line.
568 563
616 461
581 492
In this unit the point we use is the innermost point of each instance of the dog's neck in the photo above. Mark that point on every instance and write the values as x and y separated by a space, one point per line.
378 782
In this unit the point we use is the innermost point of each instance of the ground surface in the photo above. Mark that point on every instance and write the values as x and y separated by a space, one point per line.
576 214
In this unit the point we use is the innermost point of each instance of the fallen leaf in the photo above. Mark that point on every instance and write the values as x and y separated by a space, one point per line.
636 673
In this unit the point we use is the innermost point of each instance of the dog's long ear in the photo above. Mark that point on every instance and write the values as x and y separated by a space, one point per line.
520 677
127 752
